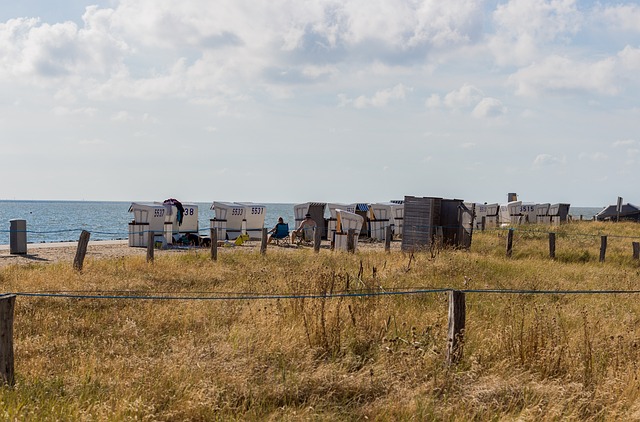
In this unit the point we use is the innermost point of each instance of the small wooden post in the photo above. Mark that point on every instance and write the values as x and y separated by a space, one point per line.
439 236
83 242
636 250
552 245
580 217
387 239
332 245
455 337
7 305
263 244
214 244
510 243
150 246
603 247
483 223
317 240
351 244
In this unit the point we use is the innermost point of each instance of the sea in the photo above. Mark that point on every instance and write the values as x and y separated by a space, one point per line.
63 221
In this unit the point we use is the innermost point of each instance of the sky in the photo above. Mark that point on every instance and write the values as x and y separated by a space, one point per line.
320 100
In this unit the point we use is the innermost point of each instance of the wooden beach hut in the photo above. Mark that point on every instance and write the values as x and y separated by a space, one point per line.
430 219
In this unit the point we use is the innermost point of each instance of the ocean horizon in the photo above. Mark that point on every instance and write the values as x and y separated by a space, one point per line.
63 221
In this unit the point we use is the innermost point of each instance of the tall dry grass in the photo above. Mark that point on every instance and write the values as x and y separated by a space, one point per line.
526 357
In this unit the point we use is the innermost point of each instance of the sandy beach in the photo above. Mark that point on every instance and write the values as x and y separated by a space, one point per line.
47 253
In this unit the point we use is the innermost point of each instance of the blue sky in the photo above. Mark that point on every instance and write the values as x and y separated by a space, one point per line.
322 100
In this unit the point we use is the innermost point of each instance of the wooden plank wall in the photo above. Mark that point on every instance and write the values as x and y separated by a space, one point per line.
418 224
423 215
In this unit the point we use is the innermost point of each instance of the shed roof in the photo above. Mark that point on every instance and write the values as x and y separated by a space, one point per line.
611 211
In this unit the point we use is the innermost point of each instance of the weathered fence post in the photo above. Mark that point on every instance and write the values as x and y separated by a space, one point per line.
387 239
603 247
317 240
509 243
7 305
263 244
636 250
351 243
455 337
83 242
552 245
483 223
214 244
150 246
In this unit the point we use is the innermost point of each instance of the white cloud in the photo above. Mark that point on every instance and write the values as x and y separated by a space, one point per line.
594 156
433 101
625 17
379 99
406 24
633 152
232 76
29 48
465 96
629 58
557 74
524 27
547 160
315 72
624 143
121 116
489 108
469 97
84 111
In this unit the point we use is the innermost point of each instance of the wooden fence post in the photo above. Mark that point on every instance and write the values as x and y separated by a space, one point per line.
483 223
7 305
263 244
387 239
150 246
603 247
317 240
636 250
351 244
83 242
455 337
552 245
510 243
214 244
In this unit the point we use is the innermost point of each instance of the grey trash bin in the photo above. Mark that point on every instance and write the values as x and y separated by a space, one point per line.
18 236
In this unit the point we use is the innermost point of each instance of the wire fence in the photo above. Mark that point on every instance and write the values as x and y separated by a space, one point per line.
243 296
560 231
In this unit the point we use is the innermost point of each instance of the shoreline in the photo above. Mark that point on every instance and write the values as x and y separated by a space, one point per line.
67 243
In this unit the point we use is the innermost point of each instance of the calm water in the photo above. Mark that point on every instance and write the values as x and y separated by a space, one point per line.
61 221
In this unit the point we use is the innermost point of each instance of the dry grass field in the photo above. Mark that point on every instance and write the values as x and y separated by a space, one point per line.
225 353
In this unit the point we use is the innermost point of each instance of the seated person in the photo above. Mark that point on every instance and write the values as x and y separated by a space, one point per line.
278 230
307 223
